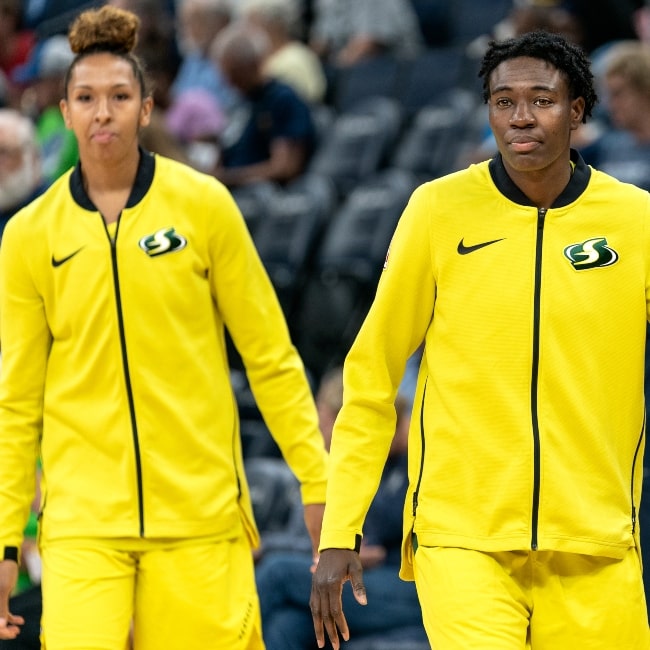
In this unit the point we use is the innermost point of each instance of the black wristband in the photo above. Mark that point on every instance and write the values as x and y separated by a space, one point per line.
10 553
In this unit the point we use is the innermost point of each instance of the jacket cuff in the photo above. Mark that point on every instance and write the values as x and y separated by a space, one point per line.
10 553
340 539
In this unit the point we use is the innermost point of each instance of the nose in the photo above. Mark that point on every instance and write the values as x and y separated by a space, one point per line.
521 116
102 112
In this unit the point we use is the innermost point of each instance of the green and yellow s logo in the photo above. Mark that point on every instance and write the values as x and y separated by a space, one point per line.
165 240
590 254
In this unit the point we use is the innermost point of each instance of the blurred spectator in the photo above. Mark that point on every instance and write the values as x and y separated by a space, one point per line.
20 165
641 20
344 32
531 15
284 578
273 137
42 77
590 23
16 43
289 59
624 150
199 22
196 121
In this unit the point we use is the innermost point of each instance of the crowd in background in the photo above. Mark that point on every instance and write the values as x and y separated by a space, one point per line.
254 92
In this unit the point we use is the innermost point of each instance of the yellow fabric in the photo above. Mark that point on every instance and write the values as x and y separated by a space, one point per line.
472 454
512 600
179 594
114 360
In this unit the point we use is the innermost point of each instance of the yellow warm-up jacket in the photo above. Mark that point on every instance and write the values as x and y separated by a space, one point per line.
115 367
528 425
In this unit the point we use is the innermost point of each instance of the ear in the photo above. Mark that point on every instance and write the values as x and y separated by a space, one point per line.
63 105
577 112
145 111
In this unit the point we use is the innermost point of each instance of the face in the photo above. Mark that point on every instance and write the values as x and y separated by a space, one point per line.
531 114
627 106
105 108
19 168
244 77
198 27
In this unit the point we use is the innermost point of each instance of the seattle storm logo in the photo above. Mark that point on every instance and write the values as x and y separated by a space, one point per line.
165 240
590 254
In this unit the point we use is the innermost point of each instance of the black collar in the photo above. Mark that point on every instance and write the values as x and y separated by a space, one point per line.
575 187
143 180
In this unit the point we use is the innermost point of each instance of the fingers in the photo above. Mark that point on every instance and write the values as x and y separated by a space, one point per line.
317 616
9 626
358 588
329 619
336 621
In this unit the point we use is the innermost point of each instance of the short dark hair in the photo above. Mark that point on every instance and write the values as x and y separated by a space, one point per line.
553 48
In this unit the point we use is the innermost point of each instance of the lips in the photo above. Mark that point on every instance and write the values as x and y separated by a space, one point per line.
103 136
523 144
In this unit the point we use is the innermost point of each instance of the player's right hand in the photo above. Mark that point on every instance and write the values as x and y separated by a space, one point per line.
9 624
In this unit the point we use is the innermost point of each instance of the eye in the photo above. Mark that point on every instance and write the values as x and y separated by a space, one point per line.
121 96
543 101
83 97
503 102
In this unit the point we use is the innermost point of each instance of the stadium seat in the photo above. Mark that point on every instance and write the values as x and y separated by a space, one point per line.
274 490
430 145
429 76
358 142
286 237
346 268
373 77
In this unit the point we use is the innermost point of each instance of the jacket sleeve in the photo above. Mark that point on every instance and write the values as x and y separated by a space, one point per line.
256 323
25 343
394 327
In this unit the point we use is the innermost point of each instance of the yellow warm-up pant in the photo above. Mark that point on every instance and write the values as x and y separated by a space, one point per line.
172 595
539 600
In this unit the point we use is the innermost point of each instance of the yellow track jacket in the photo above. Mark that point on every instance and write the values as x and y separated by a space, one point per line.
528 425
115 365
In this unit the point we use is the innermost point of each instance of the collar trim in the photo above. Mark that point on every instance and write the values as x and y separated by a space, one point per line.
575 187
143 180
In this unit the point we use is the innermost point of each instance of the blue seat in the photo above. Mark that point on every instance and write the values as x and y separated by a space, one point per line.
473 18
346 268
374 77
286 237
431 144
358 142
430 76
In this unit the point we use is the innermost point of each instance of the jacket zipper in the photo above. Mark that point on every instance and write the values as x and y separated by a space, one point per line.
541 215
636 456
423 444
127 374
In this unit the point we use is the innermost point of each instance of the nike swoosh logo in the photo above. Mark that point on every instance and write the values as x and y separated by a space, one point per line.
464 250
63 260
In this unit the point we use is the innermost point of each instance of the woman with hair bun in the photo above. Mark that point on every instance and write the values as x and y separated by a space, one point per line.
116 288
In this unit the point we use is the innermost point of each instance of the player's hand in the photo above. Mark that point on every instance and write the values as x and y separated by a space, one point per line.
9 624
335 567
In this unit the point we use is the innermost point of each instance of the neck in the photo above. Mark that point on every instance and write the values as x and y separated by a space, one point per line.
103 176
544 186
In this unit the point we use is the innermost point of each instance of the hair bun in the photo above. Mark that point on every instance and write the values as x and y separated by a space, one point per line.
107 29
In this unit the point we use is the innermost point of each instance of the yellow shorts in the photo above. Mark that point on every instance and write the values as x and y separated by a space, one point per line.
170 594
539 600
